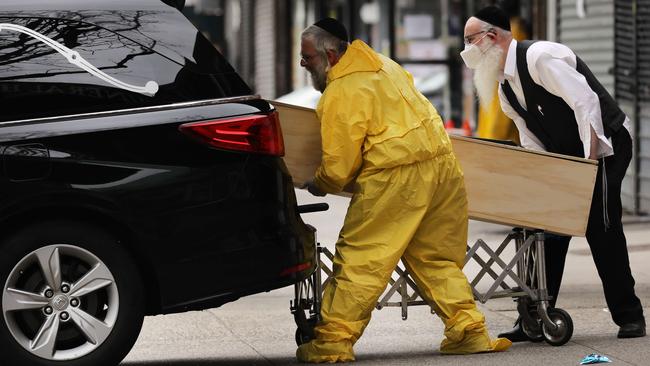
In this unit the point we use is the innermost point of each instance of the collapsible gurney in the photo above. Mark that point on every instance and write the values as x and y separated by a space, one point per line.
526 268
535 192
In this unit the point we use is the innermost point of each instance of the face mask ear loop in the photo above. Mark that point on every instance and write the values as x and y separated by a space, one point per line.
480 39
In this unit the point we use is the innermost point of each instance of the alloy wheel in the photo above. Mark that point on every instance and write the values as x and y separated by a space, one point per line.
60 302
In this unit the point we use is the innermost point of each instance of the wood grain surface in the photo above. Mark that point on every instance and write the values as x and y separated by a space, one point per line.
505 184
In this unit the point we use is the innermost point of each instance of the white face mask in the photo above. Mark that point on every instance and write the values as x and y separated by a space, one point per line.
472 54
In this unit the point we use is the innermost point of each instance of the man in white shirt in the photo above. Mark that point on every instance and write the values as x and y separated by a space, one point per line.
559 106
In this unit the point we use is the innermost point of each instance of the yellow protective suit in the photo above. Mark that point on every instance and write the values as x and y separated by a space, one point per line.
409 201
492 122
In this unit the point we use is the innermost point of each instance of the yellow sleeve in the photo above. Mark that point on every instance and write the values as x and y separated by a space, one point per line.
344 117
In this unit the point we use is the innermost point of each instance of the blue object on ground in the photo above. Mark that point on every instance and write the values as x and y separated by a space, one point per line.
594 358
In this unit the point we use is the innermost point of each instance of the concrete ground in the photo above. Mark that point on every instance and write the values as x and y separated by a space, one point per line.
259 330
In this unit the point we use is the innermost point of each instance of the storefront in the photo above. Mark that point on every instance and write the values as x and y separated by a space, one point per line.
262 40
426 38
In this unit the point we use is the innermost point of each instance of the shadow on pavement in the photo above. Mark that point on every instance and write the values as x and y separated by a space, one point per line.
213 362
384 358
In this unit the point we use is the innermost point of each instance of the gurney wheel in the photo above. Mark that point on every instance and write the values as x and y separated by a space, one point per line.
306 335
564 330
301 338
305 310
534 332
530 323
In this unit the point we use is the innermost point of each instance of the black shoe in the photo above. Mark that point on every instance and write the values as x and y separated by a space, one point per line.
515 335
632 330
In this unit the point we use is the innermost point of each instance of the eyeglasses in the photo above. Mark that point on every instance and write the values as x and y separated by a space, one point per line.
469 39
306 58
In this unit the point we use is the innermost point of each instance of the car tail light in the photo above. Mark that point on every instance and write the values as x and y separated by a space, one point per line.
254 133
295 269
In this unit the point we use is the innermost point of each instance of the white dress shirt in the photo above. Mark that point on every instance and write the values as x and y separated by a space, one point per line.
553 67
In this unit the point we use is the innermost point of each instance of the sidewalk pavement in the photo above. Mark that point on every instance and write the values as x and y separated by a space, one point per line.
581 295
259 330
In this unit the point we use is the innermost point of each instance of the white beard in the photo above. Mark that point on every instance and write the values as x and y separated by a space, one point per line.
486 75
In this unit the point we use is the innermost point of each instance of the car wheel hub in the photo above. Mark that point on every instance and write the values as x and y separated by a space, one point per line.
60 302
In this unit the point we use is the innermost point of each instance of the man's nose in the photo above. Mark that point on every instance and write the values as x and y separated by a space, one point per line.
303 63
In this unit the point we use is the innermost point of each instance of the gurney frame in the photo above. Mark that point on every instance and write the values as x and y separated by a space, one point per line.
526 268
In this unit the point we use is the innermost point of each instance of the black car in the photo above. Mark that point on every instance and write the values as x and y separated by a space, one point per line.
139 175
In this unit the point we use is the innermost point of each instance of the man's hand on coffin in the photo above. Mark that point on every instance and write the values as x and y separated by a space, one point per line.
312 188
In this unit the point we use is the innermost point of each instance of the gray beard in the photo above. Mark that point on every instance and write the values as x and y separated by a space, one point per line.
486 75
319 79
319 76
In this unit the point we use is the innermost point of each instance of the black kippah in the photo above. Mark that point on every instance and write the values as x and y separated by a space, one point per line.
334 27
495 16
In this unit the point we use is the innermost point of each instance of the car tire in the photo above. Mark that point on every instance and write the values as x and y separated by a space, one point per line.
103 304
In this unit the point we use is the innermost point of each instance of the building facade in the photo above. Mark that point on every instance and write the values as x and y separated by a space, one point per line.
612 37
261 39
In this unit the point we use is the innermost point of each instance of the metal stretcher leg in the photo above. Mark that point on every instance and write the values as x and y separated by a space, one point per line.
528 318
557 326
306 305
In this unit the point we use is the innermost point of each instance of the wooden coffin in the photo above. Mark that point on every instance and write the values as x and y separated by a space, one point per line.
505 184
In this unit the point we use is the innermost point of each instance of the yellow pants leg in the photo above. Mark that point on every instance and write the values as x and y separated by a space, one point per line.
435 260
419 211
378 226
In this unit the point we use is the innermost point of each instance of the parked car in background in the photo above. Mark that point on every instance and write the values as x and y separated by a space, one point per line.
138 176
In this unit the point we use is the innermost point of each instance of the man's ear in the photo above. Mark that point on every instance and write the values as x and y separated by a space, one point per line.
492 34
332 57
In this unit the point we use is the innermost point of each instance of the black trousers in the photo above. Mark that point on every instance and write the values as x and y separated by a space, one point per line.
608 245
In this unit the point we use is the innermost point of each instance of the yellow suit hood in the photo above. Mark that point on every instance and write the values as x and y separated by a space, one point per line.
359 57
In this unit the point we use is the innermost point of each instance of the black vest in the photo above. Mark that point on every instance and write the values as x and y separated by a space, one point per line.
549 118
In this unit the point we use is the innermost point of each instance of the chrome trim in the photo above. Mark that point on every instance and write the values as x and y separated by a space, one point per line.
164 107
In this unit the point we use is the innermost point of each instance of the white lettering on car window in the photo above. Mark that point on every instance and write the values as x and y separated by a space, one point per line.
150 89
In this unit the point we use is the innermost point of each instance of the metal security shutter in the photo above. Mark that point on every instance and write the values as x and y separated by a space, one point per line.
265 48
603 38
643 95
625 89
632 73
591 37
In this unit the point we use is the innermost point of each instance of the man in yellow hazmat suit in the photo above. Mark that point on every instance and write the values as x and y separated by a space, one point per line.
409 196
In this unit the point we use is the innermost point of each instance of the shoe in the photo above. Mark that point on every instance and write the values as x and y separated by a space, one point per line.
632 330
515 335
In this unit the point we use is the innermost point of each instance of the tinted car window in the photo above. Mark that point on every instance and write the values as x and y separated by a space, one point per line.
37 81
